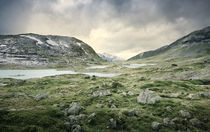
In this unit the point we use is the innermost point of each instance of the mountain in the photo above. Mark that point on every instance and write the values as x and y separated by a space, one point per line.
194 44
109 57
42 50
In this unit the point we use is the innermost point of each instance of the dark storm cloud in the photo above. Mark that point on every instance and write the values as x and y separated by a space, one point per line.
118 26
13 15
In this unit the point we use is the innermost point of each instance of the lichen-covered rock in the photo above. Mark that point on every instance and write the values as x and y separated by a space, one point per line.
130 93
193 97
134 112
205 95
148 97
41 96
91 117
175 95
113 123
195 122
99 105
74 108
155 125
76 128
184 114
166 121
101 93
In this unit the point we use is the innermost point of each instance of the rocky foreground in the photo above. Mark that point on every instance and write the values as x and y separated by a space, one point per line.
173 95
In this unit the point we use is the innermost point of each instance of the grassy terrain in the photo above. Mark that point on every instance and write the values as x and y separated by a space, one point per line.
19 111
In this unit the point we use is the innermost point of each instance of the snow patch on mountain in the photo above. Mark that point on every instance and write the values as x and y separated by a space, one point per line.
33 38
109 57
53 43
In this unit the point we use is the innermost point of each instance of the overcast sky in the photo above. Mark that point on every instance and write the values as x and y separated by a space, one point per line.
120 27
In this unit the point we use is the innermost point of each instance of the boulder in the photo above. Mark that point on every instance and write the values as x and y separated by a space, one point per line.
40 97
168 108
148 97
193 97
205 95
73 120
155 125
134 112
91 117
130 93
74 108
113 123
175 95
195 122
76 128
99 105
166 121
101 93
184 114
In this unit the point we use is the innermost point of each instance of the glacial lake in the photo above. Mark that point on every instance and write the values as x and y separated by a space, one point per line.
137 65
27 74
97 67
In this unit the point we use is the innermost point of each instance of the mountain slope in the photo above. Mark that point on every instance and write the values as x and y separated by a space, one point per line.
195 44
39 50
109 57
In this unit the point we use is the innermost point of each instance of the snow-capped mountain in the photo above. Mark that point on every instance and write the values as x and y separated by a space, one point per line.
109 57
39 50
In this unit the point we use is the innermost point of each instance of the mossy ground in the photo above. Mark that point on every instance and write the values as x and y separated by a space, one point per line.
20 112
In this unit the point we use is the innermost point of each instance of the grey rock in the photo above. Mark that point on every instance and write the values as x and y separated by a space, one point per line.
134 112
205 95
175 120
155 125
17 95
184 114
74 108
82 116
168 108
124 93
193 97
101 93
113 106
175 95
76 128
67 126
148 97
40 97
113 123
91 117
130 93
166 121
195 122
73 120
99 105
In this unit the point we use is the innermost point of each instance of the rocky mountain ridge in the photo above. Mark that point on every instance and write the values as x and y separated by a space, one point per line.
42 50
194 44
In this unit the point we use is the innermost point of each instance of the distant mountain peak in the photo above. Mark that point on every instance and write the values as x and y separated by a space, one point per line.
110 58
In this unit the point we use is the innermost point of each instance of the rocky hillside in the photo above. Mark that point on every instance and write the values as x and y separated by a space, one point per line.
109 57
41 50
195 44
